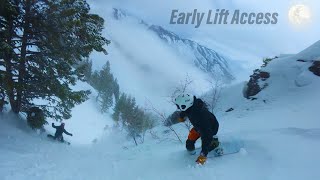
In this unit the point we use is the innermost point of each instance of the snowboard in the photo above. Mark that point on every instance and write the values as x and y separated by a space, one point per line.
225 148
228 146
52 137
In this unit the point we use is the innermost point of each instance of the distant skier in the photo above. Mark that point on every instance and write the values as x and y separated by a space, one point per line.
59 131
205 125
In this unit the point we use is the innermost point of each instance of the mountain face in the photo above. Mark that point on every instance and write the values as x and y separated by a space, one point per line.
204 58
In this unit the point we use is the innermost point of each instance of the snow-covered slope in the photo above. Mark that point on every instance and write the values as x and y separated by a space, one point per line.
290 83
280 131
87 122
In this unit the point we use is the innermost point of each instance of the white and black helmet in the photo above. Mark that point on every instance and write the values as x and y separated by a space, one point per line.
184 101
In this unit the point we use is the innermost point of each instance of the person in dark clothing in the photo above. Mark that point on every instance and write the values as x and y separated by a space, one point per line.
59 131
205 125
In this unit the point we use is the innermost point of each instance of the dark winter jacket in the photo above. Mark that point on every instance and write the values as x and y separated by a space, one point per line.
203 121
60 130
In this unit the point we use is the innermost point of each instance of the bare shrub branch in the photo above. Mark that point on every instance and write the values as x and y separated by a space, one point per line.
181 88
214 95
163 118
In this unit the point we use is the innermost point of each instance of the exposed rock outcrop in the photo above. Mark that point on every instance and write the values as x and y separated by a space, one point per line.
315 68
256 83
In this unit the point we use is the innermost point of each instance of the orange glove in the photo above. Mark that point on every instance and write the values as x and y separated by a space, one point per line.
181 119
201 159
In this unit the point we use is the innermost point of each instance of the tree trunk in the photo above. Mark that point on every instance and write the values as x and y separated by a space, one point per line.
2 102
8 77
135 141
23 57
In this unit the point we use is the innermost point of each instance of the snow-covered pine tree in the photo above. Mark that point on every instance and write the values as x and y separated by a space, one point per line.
40 42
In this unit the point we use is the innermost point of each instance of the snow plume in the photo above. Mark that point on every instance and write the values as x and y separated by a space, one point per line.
145 67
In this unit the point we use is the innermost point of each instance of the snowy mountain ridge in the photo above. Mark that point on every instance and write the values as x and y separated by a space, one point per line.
206 59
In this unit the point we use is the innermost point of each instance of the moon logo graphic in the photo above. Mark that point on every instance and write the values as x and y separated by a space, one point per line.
299 14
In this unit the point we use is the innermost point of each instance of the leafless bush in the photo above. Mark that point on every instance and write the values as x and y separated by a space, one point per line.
213 96
181 88
188 125
163 118
154 135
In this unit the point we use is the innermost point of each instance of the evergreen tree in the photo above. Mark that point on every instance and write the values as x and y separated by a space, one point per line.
134 119
120 105
116 89
84 70
40 43
106 85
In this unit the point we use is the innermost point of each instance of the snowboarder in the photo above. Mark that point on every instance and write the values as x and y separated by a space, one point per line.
59 131
205 125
